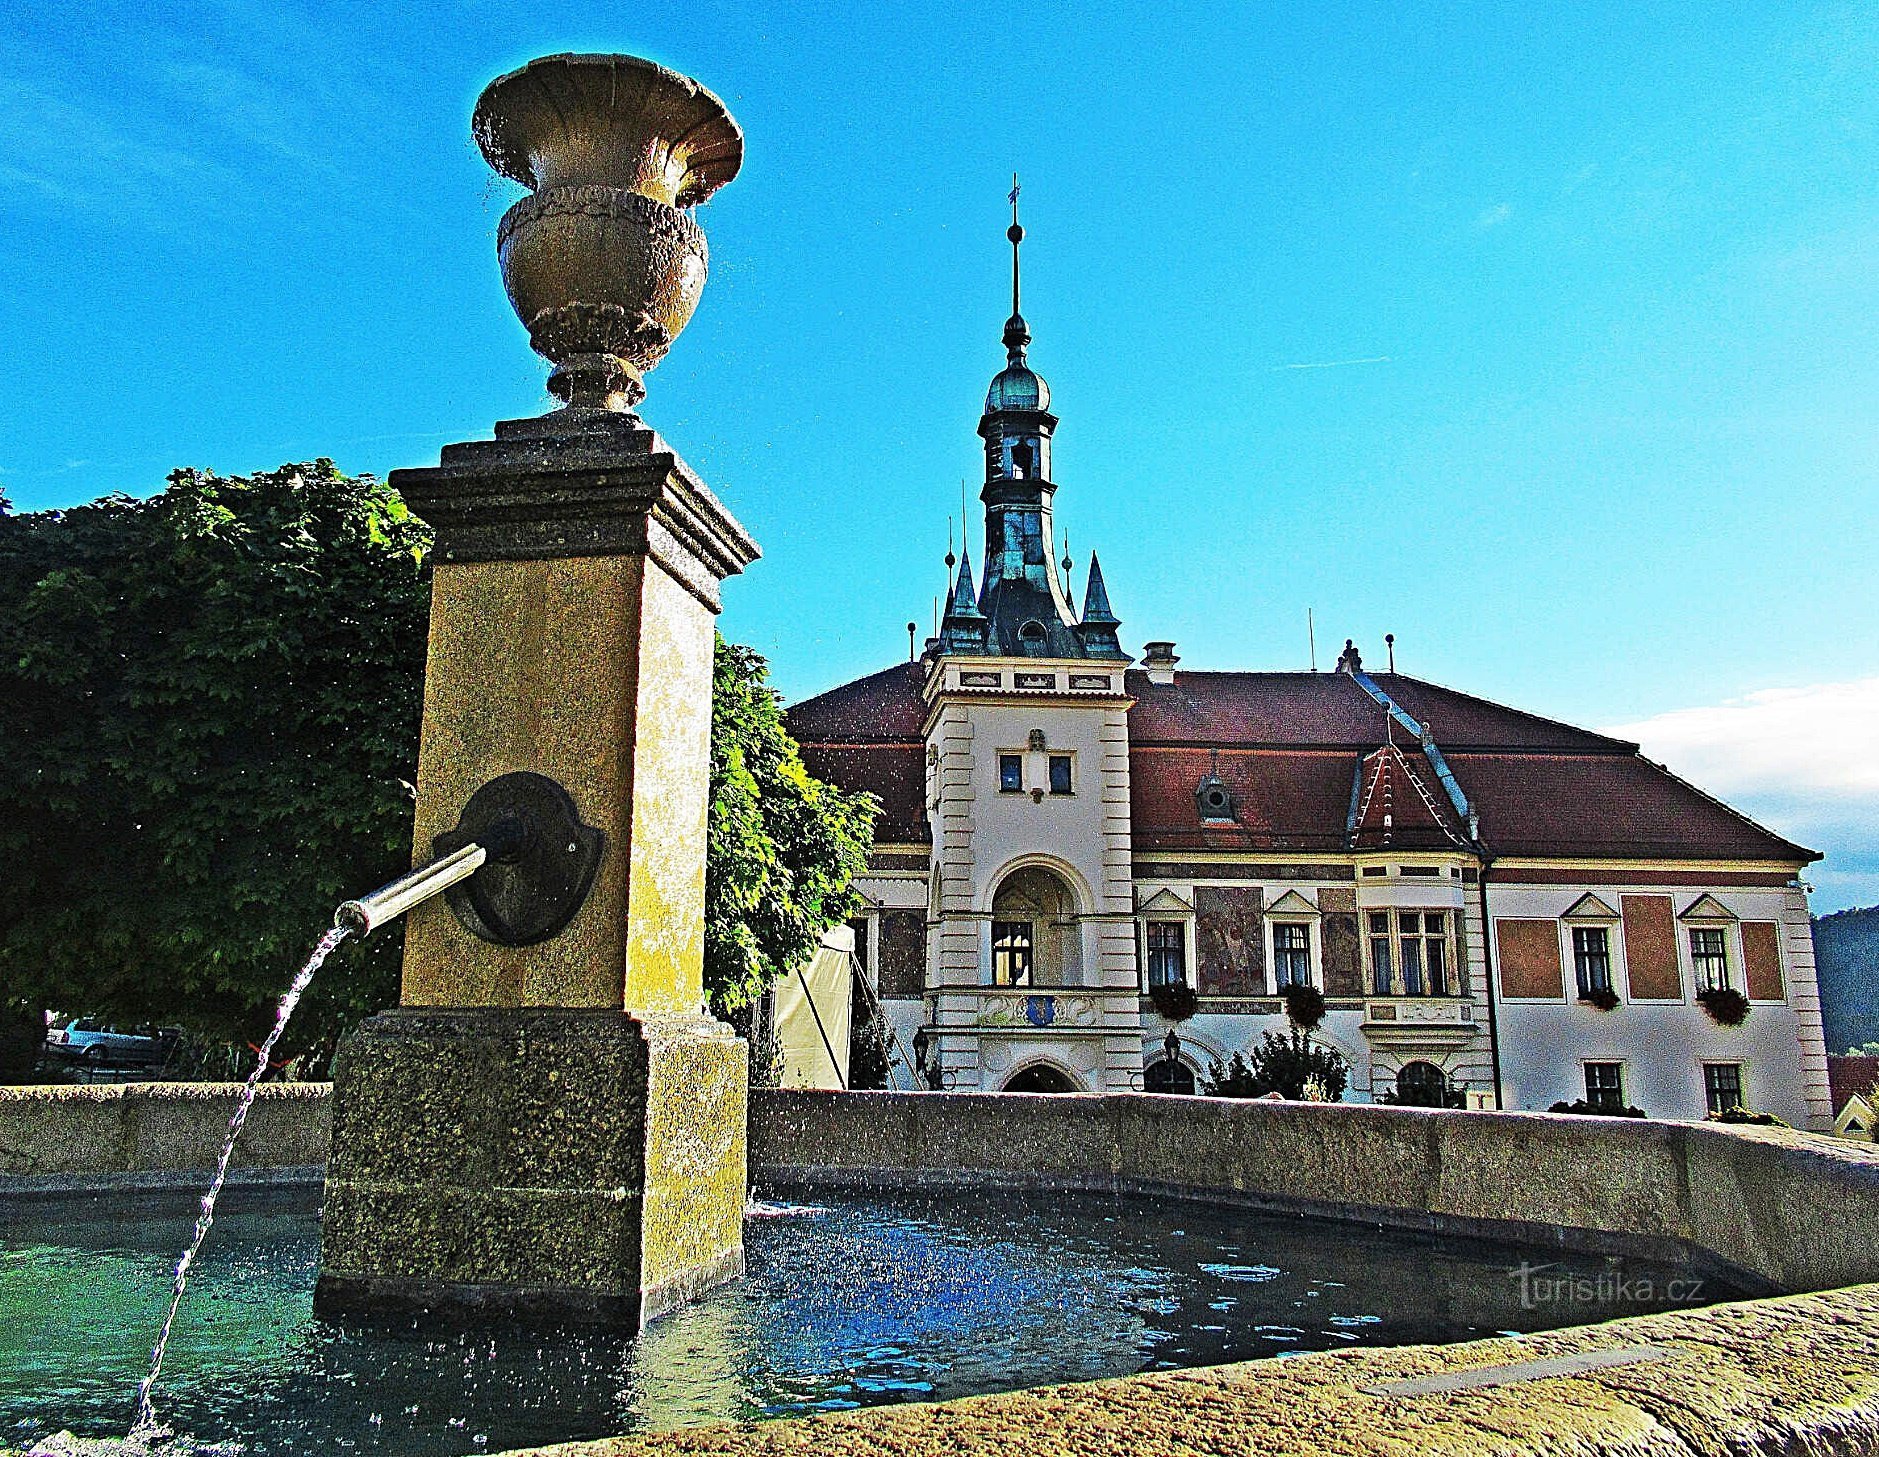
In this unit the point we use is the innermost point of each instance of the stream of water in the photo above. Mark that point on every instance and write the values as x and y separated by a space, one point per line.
145 1424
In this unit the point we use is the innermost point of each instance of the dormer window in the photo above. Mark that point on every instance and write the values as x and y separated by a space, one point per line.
1214 801
1031 636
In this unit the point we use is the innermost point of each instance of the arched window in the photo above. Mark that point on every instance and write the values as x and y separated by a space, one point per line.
1421 1085
1168 1076
1036 940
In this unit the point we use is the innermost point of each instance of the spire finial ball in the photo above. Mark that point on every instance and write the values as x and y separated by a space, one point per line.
1015 233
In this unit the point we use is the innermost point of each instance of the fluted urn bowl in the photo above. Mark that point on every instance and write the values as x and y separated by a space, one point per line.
601 260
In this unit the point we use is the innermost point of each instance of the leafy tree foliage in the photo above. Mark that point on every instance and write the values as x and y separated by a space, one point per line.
1291 1066
210 702
784 846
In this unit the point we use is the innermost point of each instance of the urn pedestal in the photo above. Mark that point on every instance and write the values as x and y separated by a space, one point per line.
558 1126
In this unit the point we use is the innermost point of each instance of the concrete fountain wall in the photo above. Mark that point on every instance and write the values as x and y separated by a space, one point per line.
1783 1211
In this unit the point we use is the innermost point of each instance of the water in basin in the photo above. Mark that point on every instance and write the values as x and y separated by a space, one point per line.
851 1300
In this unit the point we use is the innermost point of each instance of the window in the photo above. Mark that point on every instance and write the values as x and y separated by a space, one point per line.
1060 774
1605 1086
1168 1077
1011 774
1167 953
1291 954
1410 952
1011 953
1722 1086
1422 1085
1709 957
1380 981
1592 957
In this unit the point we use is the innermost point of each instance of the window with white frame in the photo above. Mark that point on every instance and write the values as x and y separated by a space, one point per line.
1592 959
1605 1086
1709 957
1166 944
1410 954
1291 954
1012 953
1722 1086
1382 957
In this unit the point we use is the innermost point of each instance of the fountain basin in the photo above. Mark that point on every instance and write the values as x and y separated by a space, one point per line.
1787 1211
852 1300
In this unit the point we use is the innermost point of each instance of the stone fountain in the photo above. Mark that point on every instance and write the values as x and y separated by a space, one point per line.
551 1120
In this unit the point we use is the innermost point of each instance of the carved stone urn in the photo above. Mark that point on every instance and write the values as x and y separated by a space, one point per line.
601 260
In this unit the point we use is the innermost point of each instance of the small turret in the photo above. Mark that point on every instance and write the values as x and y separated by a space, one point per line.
1097 630
963 628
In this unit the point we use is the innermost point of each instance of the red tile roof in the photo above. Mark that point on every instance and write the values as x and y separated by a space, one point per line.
1849 1075
1283 799
894 772
1606 805
882 707
1329 708
1289 746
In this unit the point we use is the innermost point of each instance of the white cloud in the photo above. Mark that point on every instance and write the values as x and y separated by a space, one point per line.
1803 761
1493 217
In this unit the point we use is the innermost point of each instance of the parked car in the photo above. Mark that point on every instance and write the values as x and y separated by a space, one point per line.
89 1040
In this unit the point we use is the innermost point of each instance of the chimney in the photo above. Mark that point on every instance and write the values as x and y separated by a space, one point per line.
1350 661
1158 659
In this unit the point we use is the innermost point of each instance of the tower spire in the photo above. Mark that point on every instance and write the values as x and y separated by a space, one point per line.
1017 333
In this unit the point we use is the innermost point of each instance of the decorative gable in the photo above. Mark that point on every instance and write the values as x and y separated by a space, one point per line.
1291 904
1168 903
1707 908
1589 908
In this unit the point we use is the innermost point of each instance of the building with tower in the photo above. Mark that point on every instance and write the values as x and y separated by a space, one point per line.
1496 909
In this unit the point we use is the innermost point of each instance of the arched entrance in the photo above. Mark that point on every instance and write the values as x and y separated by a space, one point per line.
1422 1085
1040 1077
1168 1076
1036 941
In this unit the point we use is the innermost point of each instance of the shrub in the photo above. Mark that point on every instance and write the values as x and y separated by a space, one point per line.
1579 1105
1725 1004
1174 1000
1304 1006
1604 998
1288 1065
1748 1115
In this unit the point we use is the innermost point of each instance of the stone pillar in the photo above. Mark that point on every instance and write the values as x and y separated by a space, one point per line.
551 1119
556 1126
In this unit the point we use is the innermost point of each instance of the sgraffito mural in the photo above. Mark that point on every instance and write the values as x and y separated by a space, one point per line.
1230 940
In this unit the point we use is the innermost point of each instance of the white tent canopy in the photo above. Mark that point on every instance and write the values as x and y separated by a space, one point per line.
812 1014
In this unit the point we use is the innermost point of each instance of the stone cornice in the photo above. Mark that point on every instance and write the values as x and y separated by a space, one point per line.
572 484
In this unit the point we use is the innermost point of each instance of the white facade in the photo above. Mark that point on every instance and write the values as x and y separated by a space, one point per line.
1082 1021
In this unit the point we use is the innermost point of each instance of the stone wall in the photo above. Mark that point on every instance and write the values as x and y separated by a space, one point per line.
1777 1210
151 1134
1780 1210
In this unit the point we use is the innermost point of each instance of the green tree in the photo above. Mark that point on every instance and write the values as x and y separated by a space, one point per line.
210 701
784 846
1287 1065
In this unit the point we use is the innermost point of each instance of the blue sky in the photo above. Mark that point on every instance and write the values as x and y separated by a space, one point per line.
1612 271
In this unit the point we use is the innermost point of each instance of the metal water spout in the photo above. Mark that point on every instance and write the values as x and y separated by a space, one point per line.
515 869
366 914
